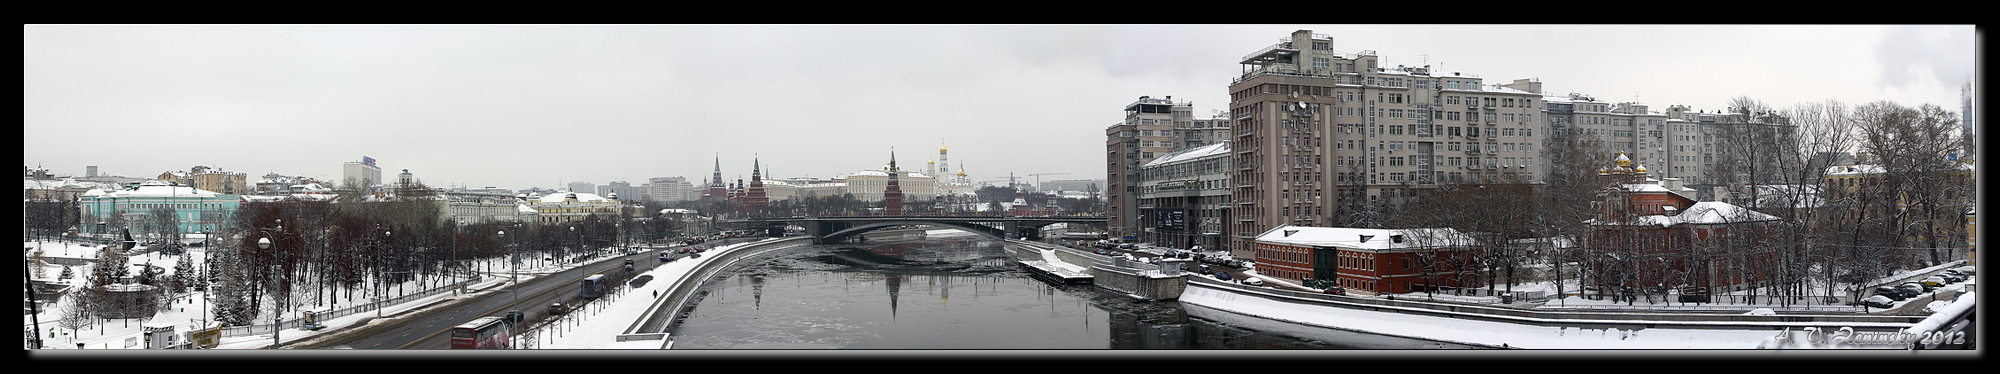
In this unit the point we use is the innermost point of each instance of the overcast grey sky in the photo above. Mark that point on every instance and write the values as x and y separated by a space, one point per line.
516 106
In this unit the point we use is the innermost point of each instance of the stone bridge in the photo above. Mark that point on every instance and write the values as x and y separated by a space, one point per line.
844 228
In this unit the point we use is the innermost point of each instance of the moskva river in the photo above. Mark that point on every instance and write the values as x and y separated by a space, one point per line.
950 292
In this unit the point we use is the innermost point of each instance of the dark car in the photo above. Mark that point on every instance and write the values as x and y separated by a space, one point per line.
1912 289
1335 290
1222 276
1891 292
1697 294
1952 277
1204 269
558 308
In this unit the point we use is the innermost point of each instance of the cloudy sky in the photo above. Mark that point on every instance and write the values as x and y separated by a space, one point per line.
518 106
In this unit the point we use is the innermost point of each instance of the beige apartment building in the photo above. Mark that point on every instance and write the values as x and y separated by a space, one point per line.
1331 139
1147 133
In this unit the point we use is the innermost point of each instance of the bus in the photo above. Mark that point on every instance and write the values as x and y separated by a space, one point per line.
593 286
482 333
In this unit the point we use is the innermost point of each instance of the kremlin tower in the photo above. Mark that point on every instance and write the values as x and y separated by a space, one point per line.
755 196
717 191
892 198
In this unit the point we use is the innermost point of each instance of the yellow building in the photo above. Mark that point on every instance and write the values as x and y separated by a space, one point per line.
565 207
1843 182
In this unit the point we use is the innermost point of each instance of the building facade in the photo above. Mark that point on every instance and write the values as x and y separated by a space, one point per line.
1319 131
1184 199
1147 133
1653 233
196 210
670 189
566 207
1368 261
364 172
623 190
467 208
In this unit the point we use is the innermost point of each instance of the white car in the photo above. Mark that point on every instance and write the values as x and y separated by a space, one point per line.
1253 281
1878 301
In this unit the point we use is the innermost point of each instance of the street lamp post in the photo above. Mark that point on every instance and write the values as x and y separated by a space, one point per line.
513 267
264 243
379 290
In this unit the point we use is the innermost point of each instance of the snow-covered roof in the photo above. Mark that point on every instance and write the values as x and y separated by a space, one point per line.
1375 239
159 189
1190 153
1720 212
1875 169
586 197
44 184
1706 212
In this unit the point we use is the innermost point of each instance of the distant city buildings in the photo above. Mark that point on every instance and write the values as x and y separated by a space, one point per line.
583 187
625 191
670 189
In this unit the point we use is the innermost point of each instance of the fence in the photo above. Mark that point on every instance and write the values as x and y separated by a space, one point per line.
255 329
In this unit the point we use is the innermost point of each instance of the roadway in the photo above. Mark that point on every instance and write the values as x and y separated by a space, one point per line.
429 328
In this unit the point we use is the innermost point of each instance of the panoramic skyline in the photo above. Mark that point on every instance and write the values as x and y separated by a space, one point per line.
518 106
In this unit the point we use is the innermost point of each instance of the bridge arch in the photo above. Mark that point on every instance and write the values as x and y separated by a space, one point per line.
981 229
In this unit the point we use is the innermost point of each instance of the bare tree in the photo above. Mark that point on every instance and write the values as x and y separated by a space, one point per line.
1912 146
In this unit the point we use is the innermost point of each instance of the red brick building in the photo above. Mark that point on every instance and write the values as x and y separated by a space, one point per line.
1652 234
1368 261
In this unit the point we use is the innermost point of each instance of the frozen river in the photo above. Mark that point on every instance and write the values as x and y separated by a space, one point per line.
956 293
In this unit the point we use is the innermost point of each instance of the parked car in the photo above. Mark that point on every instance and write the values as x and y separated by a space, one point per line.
1965 269
558 308
1951 278
1890 292
1335 290
1878 301
1222 275
1913 289
1253 281
1204 269
1700 294
1933 282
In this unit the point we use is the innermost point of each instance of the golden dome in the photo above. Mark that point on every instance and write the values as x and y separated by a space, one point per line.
1622 161
1641 169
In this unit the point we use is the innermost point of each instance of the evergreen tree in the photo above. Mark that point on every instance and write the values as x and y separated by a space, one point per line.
183 273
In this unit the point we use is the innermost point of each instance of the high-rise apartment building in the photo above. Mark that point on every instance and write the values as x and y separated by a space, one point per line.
1331 139
625 191
670 189
1146 133
582 187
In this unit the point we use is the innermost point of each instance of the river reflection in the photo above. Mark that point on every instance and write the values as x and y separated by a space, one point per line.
947 293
